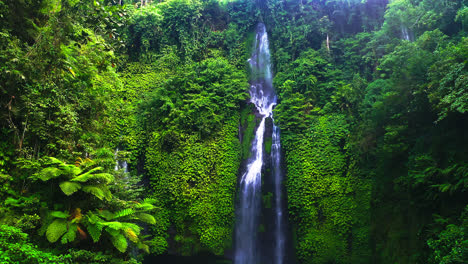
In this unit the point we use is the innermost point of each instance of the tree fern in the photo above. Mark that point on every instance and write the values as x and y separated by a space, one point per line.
69 188
56 229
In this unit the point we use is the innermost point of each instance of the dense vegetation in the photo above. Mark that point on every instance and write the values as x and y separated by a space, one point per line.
372 107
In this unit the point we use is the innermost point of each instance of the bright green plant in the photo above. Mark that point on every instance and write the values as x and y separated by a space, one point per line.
75 177
15 247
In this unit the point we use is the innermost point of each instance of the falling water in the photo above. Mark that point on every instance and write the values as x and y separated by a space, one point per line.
278 183
120 164
263 97
405 33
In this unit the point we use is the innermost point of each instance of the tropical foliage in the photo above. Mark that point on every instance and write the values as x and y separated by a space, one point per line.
124 125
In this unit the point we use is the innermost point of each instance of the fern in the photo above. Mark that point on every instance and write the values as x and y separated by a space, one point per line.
113 225
145 206
130 234
149 200
87 175
143 247
94 226
69 188
59 214
106 214
136 228
94 231
147 218
70 235
124 212
69 169
49 173
56 229
100 191
104 177
55 160
120 242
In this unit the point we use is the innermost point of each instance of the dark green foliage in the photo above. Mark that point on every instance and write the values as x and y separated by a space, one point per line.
15 247
396 92
372 108
451 244
328 201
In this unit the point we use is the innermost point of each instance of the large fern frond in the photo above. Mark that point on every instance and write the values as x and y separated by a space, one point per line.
87 175
56 229
100 191
136 228
104 177
145 206
149 200
59 214
108 215
70 235
69 188
120 242
147 218
94 225
49 173
130 234
113 225
94 231
70 169
55 161
124 213
143 246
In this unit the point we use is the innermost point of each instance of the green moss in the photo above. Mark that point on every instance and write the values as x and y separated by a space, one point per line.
248 125
267 200
268 143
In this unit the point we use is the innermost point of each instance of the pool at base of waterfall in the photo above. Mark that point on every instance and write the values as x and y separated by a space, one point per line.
201 258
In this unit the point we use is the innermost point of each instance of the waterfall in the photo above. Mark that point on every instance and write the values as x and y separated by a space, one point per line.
405 33
247 250
120 164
